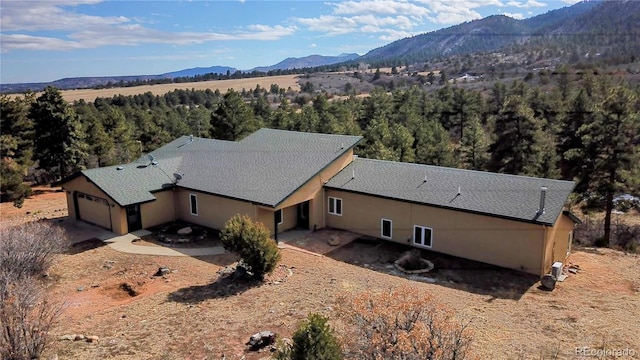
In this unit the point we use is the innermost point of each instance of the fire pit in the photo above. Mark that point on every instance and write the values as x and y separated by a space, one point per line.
412 263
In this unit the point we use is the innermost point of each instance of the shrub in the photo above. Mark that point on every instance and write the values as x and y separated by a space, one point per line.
403 324
26 252
252 242
313 340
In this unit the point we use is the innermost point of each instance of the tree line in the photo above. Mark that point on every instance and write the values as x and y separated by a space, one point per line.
580 127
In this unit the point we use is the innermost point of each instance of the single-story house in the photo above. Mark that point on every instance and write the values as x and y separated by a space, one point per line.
288 179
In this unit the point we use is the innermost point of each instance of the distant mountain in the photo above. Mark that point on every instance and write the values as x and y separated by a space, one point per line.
497 31
200 71
89 82
75 83
307 62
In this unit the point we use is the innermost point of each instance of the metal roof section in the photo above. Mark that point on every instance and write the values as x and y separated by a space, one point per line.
523 198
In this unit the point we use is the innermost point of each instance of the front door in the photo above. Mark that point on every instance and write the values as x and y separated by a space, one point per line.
303 215
134 222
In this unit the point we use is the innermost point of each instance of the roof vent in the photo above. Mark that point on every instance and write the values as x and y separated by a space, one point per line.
459 190
425 178
342 146
543 195
353 174
190 138
120 168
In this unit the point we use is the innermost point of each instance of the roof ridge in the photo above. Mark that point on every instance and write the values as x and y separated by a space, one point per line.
462 170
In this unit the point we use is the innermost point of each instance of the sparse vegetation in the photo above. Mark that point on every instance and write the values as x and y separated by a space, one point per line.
251 241
26 253
404 323
313 340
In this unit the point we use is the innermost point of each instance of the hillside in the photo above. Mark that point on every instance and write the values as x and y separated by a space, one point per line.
307 62
606 29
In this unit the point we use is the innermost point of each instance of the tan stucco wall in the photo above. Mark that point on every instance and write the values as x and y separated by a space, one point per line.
82 184
312 190
160 211
557 242
213 211
289 218
501 242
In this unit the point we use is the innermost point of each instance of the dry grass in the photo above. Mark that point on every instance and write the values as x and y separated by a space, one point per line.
190 314
89 95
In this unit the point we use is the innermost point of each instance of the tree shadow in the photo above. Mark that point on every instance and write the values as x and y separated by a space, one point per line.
449 271
227 284
85 245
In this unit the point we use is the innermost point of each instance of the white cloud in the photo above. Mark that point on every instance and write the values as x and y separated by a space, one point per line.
387 7
526 4
517 16
24 22
38 15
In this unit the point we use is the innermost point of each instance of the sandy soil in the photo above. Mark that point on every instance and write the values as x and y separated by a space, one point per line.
195 313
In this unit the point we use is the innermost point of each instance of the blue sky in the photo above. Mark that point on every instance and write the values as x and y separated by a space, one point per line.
53 39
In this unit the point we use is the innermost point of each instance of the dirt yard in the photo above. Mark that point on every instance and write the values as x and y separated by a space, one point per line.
191 313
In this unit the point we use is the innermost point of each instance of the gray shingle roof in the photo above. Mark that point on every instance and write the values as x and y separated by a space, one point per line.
264 168
507 196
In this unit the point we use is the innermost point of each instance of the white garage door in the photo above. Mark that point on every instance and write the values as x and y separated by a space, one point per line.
94 210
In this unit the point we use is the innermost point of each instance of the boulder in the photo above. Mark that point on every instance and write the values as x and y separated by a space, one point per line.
185 231
162 271
92 338
261 340
548 282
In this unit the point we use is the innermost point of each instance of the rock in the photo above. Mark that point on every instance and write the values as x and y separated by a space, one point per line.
185 231
548 282
162 271
80 288
53 357
68 337
261 340
78 337
92 338
334 240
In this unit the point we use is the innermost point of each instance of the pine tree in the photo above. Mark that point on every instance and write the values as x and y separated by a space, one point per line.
613 137
518 139
233 119
60 148
474 145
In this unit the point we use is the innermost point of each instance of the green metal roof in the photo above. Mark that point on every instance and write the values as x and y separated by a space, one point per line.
506 196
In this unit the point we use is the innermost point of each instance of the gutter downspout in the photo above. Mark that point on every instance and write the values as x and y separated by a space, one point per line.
275 227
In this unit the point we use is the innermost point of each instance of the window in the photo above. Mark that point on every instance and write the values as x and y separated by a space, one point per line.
194 204
386 228
335 206
278 216
422 236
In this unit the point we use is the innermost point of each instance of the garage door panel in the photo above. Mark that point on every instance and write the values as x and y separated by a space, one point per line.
94 210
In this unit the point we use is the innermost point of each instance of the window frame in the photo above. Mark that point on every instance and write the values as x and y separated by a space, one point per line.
334 201
193 200
382 235
422 236
281 216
